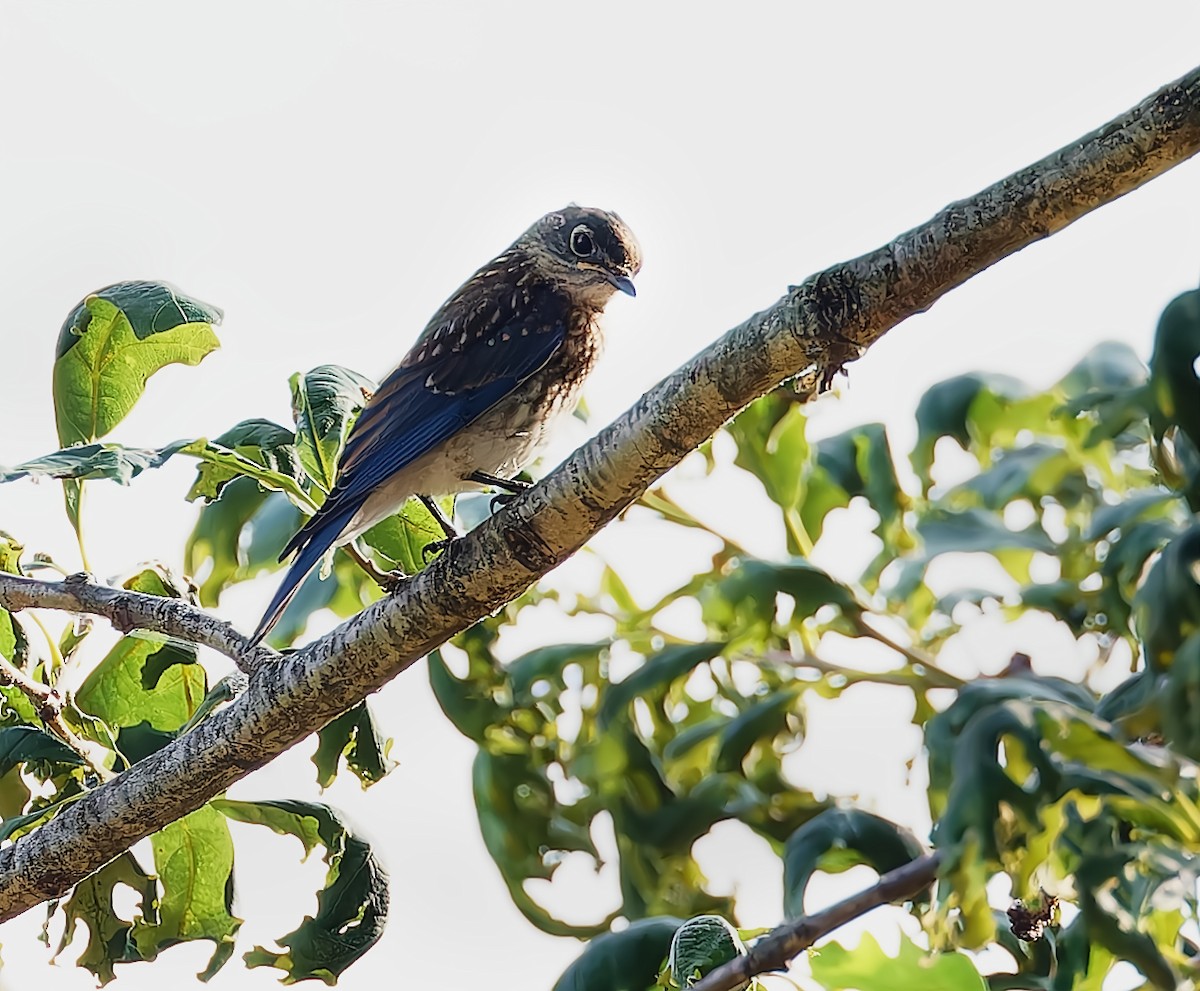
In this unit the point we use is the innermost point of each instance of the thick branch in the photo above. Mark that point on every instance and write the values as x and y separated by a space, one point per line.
128 610
776 951
817 327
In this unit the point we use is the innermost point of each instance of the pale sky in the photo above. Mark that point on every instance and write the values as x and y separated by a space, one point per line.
328 172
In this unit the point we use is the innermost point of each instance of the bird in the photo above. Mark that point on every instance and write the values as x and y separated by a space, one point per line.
476 396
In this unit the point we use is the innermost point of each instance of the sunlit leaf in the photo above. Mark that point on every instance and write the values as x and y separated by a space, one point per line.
112 342
868 968
325 402
193 858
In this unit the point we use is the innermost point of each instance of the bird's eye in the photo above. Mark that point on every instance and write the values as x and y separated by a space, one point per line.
581 242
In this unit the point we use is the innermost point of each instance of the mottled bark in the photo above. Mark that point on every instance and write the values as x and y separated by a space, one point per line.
810 333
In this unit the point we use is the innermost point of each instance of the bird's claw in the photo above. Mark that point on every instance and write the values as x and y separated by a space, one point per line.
391 581
435 547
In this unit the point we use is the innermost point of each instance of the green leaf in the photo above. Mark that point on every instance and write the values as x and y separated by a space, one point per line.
764 720
1030 472
628 960
19 744
111 461
352 907
194 861
1173 381
943 412
1166 607
402 538
261 442
868 968
770 435
745 600
701 945
355 737
975 531
655 674
466 703
860 462
545 666
112 342
525 830
1109 366
147 688
325 403
836 840
91 904
214 554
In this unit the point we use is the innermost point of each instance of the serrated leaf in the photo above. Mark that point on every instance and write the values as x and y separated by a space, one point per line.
325 402
259 441
352 907
91 904
112 461
112 342
355 737
868 968
193 858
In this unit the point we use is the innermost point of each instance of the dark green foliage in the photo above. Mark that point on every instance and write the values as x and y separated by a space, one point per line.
1082 497
351 907
623 961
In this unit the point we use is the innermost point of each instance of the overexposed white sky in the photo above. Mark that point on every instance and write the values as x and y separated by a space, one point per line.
328 172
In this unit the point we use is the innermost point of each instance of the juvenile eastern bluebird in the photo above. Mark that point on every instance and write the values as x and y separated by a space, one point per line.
475 397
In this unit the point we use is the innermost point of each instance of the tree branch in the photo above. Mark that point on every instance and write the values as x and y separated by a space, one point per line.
777 950
811 332
128 610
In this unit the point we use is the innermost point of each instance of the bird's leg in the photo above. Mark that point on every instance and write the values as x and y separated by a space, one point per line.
389 581
437 546
512 487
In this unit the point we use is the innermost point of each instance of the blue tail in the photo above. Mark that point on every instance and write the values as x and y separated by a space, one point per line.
316 540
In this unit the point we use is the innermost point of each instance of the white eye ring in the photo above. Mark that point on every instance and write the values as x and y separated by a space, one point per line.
582 243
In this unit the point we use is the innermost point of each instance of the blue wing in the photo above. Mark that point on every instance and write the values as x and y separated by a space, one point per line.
480 347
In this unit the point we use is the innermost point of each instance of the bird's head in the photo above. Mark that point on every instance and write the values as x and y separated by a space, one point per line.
589 252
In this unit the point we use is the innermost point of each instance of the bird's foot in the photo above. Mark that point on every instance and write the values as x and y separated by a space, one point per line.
436 547
391 581
513 487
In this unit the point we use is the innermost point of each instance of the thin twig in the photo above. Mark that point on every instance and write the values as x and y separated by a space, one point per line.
49 705
776 951
128 610
914 655
934 678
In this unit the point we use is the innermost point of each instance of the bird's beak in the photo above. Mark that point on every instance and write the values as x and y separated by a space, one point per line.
624 283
